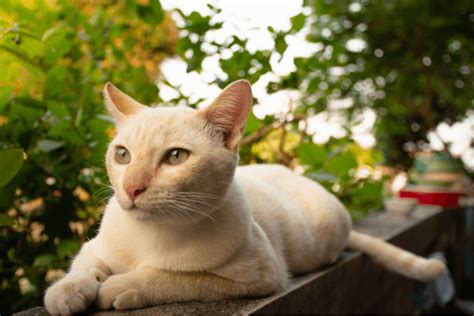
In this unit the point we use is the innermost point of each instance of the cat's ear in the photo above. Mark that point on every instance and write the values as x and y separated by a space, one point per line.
119 104
230 110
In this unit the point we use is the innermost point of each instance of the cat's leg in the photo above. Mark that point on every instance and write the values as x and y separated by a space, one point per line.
78 289
148 286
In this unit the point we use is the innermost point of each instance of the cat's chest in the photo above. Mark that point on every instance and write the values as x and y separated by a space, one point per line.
128 245
138 249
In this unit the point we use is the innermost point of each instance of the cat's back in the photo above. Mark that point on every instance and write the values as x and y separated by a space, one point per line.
299 215
280 181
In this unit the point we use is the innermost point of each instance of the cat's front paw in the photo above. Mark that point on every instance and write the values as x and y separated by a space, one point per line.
119 292
72 294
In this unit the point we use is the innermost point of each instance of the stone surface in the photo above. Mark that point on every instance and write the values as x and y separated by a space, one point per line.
353 285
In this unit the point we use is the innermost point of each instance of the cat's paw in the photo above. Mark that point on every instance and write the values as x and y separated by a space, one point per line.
119 293
72 294
98 274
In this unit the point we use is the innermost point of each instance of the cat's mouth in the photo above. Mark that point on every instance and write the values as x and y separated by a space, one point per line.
153 214
182 206
142 206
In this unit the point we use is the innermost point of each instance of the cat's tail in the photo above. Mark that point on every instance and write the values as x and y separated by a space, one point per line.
396 259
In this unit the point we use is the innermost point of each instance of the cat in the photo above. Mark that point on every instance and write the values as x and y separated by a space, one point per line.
185 223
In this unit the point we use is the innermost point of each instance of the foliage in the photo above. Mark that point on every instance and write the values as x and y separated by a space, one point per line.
55 58
409 60
11 161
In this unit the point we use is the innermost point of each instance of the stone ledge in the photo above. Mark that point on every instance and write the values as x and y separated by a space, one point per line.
353 285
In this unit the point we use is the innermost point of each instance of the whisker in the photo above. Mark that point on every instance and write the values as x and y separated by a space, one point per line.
188 208
180 213
206 195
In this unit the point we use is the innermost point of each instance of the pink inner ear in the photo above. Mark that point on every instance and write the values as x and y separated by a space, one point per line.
230 110
120 104
226 136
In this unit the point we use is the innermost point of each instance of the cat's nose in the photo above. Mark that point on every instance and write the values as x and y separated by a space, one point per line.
135 190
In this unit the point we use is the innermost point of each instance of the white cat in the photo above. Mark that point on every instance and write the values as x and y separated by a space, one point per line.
186 223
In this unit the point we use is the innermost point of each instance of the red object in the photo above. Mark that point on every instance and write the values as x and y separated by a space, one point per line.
445 199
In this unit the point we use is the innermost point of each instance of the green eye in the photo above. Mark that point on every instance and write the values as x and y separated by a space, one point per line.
177 156
122 155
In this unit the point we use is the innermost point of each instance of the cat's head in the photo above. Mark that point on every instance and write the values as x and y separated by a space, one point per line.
175 164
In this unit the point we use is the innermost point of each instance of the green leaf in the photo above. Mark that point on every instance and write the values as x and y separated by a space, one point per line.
5 94
341 164
280 43
64 131
313 85
7 193
297 22
11 161
47 145
6 221
68 248
44 261
252 124
58 109
152 13
55 81
300 62
58 42
311 154
369 192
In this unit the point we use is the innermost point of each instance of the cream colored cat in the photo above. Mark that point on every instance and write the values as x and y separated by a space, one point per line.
186 224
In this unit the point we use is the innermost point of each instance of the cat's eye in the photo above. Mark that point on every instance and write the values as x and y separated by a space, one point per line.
122 155
177 156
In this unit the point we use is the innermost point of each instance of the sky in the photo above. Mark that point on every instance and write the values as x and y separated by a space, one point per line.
250 19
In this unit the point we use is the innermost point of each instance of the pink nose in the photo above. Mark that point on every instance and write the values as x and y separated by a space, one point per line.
135 190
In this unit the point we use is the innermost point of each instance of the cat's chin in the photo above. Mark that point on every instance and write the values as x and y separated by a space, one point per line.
143 215
155 216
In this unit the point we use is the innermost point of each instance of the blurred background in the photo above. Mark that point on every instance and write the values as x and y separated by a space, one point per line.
366 97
